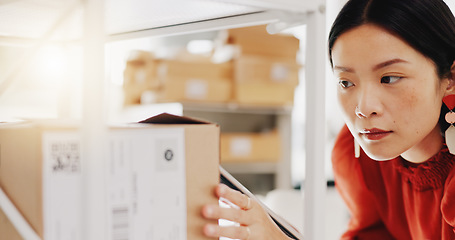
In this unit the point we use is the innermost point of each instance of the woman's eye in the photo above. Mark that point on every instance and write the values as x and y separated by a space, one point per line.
389 79
345 84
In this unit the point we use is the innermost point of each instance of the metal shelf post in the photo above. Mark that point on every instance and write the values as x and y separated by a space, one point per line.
94 128
315 184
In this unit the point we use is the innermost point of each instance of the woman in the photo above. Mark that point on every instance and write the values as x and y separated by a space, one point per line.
394 63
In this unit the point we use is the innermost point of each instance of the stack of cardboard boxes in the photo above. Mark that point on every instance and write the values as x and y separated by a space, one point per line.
266 70
195 78
140 76
185 78
263 71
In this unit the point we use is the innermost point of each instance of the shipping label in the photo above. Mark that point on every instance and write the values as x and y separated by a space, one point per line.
62 185
146 185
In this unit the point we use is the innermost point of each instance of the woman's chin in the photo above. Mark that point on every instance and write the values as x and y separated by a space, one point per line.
379 156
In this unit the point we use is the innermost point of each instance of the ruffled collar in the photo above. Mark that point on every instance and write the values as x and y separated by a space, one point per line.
430 174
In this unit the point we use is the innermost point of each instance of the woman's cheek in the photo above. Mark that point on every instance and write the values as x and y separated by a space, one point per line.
347 108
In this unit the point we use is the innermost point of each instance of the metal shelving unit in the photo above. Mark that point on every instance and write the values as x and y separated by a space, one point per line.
84 22
237 108
229 114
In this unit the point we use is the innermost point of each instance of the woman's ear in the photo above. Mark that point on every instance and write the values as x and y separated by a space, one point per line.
451 78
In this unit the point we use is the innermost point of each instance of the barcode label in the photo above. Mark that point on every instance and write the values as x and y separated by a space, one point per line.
146 182
65 156
120 223
62 185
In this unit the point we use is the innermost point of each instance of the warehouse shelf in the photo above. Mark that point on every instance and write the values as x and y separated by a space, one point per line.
235 118
249 167
237 108
178 107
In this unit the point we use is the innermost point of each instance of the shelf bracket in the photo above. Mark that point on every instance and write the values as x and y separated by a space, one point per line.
287 20
237 21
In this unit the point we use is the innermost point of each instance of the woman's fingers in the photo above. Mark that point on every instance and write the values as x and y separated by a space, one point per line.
231 214
253 222
213 230
235 197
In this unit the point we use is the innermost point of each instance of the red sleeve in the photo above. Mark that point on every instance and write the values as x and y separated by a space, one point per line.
448 201
365 222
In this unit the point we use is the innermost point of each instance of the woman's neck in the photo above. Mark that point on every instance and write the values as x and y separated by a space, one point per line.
426 148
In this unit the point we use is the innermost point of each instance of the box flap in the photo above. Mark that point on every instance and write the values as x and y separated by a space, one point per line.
166 118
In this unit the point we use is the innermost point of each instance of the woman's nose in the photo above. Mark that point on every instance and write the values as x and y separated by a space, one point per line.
358 113
369 104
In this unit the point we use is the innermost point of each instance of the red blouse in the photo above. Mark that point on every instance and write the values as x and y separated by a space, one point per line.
395 199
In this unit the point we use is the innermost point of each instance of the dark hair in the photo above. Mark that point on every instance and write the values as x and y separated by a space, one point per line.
426 25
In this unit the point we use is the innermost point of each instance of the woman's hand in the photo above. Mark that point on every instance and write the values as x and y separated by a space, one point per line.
255 223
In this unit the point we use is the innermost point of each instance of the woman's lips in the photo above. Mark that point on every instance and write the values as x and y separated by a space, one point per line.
374 134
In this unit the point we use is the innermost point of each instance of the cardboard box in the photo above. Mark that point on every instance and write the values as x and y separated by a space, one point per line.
270 94
139 76
256 41
195 78
250 147
195 67
256 68
41 174
40 171
196 89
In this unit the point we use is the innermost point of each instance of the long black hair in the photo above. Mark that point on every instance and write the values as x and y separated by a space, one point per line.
426 25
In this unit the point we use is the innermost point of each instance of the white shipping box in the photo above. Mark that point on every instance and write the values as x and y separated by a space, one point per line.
153 181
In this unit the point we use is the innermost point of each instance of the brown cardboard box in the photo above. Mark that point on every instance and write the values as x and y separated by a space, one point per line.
40 163
273 94
195 78
250 147
139 76
195 67
196 89
256 41
256 68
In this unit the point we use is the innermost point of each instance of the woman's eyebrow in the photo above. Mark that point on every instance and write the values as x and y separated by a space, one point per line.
388 63
375 67
343 69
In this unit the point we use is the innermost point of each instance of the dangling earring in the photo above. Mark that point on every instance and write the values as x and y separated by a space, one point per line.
356 149
449 101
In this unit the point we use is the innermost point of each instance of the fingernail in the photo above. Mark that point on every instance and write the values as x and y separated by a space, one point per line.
222 189
208 211
210 230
